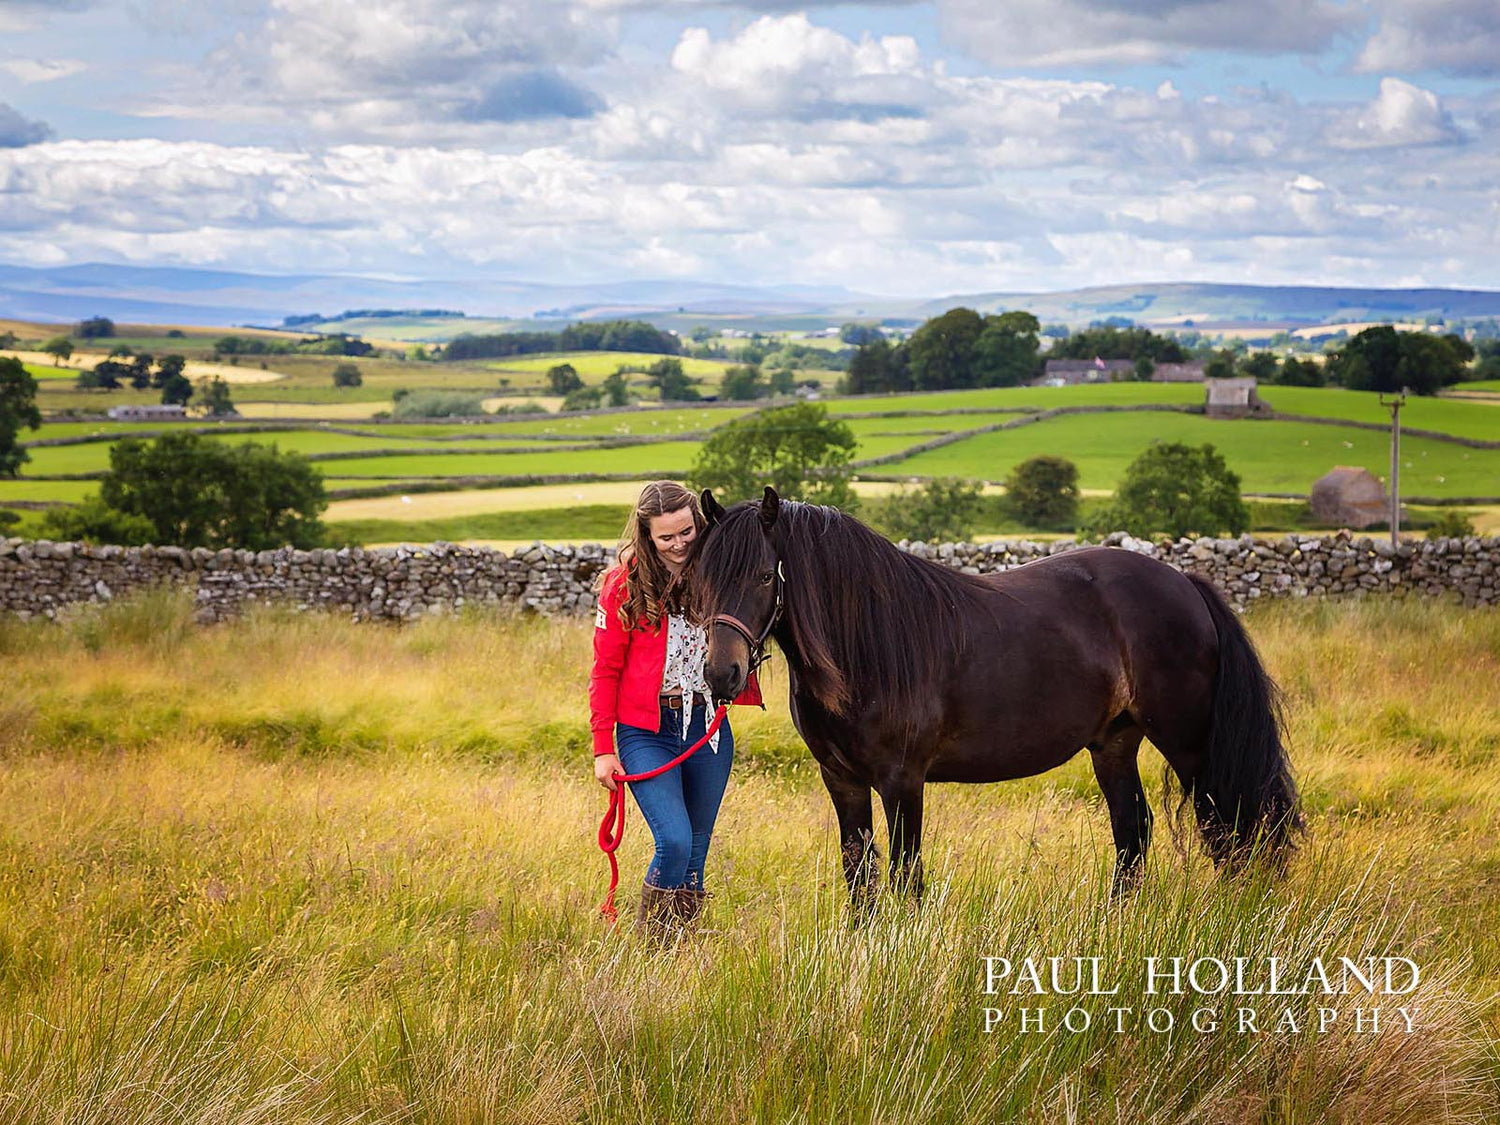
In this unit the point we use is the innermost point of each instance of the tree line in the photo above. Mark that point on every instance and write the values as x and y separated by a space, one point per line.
590 336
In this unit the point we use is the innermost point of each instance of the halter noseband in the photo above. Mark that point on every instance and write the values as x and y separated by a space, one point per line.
757 644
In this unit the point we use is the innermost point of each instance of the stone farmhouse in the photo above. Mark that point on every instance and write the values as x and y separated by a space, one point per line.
1073 372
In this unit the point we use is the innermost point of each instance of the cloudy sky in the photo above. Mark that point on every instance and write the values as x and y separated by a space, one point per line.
889 147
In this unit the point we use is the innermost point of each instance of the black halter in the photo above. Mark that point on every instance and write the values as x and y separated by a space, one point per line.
757 644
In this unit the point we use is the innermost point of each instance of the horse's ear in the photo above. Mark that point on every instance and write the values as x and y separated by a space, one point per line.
713 511
770 507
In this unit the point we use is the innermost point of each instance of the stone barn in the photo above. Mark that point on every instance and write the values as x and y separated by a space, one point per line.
1351 497
1231 398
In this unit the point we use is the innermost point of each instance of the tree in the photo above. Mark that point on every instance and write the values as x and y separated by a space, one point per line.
616 391
1175 489
59 348
1043 492
940 511
1145 367
1109 342
214 398
96 328
877 367
1296 372
1429 363
140 371
858 335
106 375
1006 353
672 384
583 398
17 410
798 450
201 493
1261 366
169 366
783 381
1383 359
94 521
742 383
563 379
1220 366
176 388
347 375
942 350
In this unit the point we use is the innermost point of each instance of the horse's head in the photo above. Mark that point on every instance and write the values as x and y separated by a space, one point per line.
737 588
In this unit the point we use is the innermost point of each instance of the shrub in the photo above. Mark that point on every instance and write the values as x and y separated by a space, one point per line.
945 510
437 404
94 521
1043 493
1451 524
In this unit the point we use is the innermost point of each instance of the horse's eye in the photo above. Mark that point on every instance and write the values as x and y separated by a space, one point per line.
767 577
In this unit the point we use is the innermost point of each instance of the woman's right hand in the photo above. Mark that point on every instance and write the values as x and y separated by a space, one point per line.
605 767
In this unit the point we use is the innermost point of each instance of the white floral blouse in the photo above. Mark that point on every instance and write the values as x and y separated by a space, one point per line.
687 652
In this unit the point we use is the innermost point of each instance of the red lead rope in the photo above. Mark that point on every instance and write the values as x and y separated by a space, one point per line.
612 827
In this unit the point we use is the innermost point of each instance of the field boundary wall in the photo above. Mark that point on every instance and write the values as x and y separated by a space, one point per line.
39 578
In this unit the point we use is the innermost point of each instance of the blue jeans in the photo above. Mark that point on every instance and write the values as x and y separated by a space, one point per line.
682 804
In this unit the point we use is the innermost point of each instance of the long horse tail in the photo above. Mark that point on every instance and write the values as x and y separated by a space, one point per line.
1244 797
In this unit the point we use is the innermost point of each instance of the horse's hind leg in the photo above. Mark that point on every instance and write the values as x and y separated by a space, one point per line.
1119 776
903 816
851 801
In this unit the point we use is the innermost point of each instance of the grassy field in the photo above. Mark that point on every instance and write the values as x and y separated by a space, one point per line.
43 372
296 870
1269 456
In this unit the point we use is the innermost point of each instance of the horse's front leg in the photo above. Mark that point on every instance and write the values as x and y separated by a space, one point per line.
902 798
851 801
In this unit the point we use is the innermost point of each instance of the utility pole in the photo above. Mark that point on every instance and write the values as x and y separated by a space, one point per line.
1395 403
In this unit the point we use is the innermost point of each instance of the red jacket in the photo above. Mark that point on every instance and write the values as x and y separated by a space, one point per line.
625 685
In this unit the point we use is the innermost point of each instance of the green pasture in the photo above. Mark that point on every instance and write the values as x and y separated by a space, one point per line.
1269 456
922 427
1445 415
1023 398
686 419
46 372
1479 385
666 456
66 491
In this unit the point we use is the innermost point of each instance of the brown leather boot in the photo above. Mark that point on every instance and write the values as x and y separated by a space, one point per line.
657 916
690 903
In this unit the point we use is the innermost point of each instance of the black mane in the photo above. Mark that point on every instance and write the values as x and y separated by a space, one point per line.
869 624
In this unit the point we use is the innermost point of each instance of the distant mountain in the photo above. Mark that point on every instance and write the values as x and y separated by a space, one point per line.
1203 303
173 295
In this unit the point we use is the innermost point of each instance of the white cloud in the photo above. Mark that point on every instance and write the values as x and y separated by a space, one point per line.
42 70
789 64
385 69
1401 114
1456 36
780 149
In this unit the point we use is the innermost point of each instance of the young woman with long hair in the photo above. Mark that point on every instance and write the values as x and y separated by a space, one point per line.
649 701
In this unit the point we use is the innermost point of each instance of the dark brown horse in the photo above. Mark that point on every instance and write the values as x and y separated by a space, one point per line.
904 671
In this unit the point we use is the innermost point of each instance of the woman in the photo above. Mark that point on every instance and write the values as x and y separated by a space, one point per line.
648 697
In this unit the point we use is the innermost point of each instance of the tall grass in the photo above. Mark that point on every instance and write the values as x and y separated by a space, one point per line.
297 870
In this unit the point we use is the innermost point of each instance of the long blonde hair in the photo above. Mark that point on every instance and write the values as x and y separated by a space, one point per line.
651 590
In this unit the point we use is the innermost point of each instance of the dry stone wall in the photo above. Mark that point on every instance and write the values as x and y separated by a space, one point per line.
40 578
